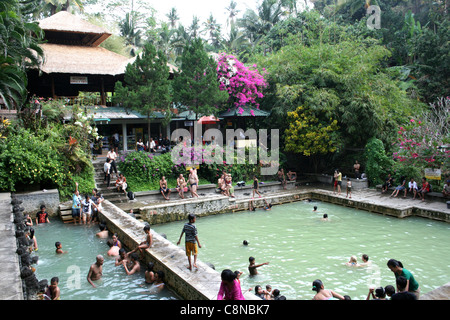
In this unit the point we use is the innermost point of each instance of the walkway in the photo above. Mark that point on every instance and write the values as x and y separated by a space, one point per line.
10 282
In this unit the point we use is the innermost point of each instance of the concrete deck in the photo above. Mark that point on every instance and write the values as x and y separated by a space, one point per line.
10 282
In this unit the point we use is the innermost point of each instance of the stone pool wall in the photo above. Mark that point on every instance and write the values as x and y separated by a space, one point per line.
200 284
31 201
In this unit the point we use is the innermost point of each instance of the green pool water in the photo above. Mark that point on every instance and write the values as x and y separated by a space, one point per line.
301 248
72 268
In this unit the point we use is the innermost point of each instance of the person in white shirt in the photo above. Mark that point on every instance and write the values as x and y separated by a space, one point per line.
107 170
152 145
412 187
112 155
87 205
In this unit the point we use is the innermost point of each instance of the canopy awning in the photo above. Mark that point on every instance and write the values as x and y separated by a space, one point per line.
245 111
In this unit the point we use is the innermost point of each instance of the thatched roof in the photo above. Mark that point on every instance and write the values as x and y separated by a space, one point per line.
82 60
60 58
67 22
66 28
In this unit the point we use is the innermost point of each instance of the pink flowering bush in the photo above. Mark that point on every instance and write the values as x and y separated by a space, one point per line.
243 84
424 143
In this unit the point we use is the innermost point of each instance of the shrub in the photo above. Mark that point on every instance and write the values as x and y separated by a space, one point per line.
378 164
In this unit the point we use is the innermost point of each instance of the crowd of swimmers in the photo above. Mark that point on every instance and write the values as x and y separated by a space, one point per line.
406 286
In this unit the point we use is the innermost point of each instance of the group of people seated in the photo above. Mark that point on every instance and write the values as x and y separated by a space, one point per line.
161 144
225 185
411 187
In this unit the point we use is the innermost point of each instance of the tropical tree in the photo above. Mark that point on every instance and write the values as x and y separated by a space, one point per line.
19 50
212 30
310 136
232 13
195 86
173 17
257 23
147 87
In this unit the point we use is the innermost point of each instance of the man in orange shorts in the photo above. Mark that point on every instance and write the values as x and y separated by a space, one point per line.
191 240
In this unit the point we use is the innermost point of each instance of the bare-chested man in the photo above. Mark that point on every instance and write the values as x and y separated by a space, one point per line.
181 184
193 182
356 167
163 188
96 270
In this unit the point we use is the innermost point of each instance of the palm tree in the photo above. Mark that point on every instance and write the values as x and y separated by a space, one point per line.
20 50
129 31
212 28
50 7
232 13
257 24
235 42
194 28
173 17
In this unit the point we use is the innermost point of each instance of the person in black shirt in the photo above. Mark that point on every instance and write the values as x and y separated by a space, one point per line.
402 294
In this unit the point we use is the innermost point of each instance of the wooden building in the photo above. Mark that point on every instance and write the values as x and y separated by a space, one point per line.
74 62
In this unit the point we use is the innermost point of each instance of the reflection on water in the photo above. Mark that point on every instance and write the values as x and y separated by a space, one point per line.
300 247
82 247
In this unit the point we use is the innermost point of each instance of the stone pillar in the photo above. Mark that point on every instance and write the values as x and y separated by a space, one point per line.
124 134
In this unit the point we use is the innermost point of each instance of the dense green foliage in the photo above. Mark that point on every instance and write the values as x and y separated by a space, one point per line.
195 85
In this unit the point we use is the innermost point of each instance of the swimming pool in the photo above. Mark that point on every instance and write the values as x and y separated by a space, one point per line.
300 247
72 268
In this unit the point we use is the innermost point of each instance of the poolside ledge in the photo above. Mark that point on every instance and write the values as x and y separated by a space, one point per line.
200 284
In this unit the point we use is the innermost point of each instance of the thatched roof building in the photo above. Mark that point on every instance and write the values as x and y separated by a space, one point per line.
73 60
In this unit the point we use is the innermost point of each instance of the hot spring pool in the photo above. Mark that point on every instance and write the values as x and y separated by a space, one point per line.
301 248
72 268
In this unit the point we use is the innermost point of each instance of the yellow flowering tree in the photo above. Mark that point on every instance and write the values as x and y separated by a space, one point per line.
309 134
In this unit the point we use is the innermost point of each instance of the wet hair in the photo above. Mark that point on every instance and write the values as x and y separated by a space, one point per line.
134 256
257 287
54 279
325 216
245 242
394 263
317 285
110 243
389 290
365 257
401 282
102 226
315 207
228 275
276 292
380 292
191 217
268 286
146 227
57 244
150 266
251 259
160 274
31 233
122 250
347 297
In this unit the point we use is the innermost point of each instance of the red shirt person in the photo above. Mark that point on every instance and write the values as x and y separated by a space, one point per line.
42 216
